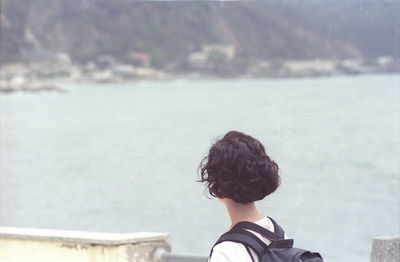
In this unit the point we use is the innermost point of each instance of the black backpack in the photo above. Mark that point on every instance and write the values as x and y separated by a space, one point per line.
280 249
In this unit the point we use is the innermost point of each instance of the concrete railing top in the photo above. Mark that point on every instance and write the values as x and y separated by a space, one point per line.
100 238
386 249
389 237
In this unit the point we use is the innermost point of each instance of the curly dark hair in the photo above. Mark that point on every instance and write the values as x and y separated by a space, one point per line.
238 168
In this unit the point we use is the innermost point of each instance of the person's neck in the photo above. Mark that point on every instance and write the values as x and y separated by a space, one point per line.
242 212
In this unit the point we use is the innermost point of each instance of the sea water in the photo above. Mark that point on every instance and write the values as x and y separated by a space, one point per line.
124 158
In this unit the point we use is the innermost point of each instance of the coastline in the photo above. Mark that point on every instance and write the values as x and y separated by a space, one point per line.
58 84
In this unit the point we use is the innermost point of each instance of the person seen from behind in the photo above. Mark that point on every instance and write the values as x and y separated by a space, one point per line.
238 172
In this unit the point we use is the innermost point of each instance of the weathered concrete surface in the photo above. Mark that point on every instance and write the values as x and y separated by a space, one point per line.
386 249
39 245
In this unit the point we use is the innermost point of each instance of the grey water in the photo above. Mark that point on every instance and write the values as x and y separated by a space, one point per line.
124 158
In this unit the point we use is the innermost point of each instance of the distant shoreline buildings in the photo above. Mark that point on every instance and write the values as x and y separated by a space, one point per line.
41 70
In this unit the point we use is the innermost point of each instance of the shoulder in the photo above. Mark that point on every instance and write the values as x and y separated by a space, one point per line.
229 251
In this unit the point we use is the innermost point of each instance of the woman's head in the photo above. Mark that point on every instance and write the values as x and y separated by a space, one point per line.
238 168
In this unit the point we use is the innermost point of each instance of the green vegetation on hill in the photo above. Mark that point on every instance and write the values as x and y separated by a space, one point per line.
170 31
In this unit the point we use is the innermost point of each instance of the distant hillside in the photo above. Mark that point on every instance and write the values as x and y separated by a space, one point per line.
170 31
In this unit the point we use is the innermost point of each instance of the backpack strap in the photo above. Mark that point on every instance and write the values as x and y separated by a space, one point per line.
278 229
282 243
244 237
272 236
277 241
239 234
250 240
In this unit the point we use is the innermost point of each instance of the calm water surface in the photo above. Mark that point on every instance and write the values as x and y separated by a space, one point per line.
123 158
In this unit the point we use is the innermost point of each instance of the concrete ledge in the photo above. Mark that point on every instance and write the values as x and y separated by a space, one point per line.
81 237
44 245
386 249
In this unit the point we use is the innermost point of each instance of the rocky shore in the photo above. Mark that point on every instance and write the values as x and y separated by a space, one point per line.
32 87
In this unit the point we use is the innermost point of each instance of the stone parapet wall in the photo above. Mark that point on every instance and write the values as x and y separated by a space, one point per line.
40 245
386 249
